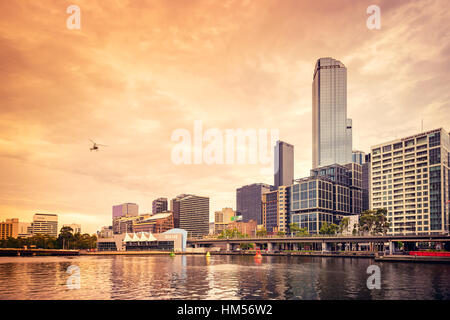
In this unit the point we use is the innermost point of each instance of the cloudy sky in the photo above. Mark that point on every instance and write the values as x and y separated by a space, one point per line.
138 70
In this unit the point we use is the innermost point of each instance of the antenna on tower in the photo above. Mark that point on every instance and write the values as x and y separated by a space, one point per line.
422 125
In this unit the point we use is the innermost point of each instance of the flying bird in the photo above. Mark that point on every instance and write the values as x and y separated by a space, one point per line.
96 145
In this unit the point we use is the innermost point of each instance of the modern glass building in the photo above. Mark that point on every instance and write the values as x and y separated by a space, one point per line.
330 193
284 164
410 178
332 131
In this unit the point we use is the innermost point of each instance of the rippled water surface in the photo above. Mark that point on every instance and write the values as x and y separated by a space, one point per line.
218 277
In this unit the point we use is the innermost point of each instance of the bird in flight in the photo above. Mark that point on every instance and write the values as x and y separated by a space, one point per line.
96 145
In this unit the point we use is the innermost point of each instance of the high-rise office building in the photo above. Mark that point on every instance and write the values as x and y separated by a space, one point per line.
366 183
194 215
276 206
331 129
159 205
175 208
125 210
9 228
358 157
45 224
284 164
248 201
410 178
326 196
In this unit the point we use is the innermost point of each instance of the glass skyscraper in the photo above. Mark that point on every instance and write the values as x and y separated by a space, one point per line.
332 131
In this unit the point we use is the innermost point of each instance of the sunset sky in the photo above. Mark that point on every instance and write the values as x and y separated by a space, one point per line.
139 69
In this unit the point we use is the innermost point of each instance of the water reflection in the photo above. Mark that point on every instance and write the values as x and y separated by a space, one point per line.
218 277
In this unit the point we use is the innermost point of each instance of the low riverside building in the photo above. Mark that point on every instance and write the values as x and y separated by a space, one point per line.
171 240
248 227
157 223
222 219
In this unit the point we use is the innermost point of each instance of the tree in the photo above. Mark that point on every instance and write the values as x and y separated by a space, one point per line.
281 233
330 229
374 221
65 236
261 233
343 224
297 231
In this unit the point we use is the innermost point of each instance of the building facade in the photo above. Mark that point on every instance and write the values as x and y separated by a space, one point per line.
329 194
410 178
9 228
222 219
332 130
276 206
249 227
283 164
248 201
45 224
125 210
194 215
156 223
159 205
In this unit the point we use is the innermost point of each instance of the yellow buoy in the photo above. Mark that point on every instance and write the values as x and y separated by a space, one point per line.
208 254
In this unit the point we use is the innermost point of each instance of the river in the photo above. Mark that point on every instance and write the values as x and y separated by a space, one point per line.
218 277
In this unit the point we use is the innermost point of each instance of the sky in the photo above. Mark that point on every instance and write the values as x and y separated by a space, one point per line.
138 70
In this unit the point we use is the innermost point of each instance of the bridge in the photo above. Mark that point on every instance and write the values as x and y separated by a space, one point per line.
323 243
37 252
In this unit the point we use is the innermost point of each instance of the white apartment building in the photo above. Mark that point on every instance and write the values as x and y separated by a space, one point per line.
410 178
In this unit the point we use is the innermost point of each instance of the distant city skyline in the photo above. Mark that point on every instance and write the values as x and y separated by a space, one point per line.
129 83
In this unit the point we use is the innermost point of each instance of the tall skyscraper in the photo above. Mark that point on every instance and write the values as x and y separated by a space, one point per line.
159 205
248 201
194 215
284 164
332 131
45 224
410 177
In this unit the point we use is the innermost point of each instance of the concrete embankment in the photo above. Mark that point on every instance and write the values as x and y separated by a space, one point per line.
406 258
305 254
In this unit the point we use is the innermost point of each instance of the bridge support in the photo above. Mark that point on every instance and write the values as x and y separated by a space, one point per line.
391 247
326 247
269 246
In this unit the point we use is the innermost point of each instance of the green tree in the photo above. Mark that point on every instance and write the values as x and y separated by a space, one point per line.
261 233
330 229
374 221
343 224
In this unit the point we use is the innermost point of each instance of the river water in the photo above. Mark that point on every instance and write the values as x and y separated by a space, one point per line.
218 277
